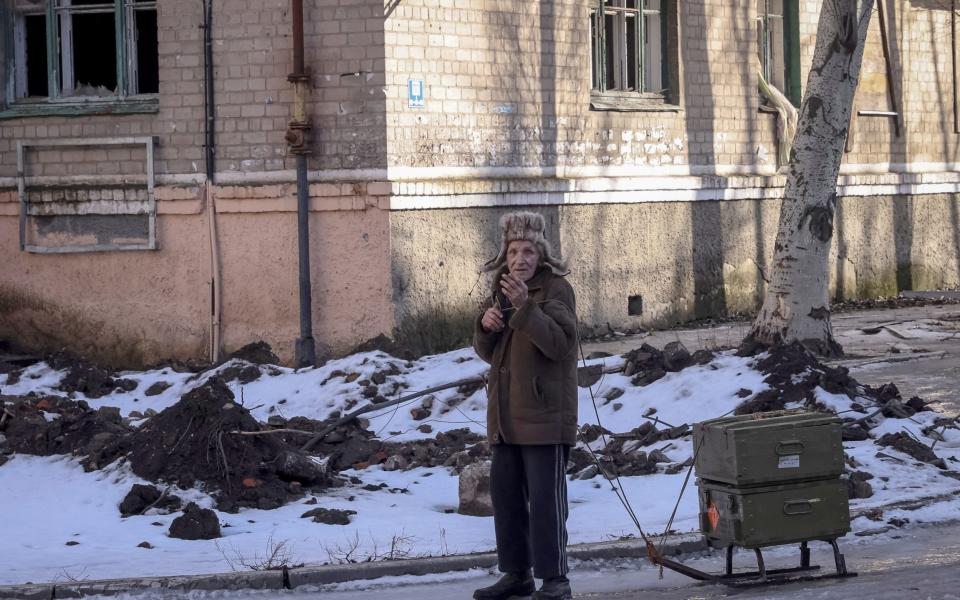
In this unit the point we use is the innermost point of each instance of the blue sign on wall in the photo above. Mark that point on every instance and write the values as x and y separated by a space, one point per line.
415 93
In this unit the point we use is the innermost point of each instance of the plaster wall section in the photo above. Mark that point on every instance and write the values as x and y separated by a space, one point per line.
136 308
645 252
349 274
886 244
121 308
437 257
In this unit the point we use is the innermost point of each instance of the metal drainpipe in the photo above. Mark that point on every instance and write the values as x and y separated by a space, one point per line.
209 112
297 130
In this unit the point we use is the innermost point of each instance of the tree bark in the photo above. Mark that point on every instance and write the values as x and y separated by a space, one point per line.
797 306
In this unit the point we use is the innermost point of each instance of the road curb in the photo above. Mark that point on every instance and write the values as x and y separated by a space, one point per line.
330 574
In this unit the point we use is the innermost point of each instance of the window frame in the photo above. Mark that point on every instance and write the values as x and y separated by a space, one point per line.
57 20
790 25
620 96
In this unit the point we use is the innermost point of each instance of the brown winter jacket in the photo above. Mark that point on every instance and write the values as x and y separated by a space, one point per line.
532 391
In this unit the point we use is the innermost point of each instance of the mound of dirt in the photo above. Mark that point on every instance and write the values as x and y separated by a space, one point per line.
46 425
195 524
259 353
142 497
199 440
647 363
906 444
898 302
385 344
87 378
793 373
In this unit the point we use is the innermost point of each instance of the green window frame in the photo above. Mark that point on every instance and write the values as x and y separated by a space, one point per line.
68 41
629 48
778 37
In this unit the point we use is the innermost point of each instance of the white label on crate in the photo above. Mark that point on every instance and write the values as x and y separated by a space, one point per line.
790 461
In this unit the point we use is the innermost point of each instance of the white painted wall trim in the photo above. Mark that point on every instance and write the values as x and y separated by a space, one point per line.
434 188
656 175
644 196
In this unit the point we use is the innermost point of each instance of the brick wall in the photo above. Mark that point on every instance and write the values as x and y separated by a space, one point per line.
252 55
507 84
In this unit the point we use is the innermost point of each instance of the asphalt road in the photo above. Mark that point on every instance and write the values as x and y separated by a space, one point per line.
922 564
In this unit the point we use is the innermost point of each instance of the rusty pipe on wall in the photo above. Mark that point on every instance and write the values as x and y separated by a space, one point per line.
297 142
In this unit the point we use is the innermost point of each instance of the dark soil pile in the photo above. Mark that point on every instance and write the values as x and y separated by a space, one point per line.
793 374
456 448
258 353
906 444
12 371
898 302
46 425
142 497
385 344
87 378
350 446
647 364
197 440
195 524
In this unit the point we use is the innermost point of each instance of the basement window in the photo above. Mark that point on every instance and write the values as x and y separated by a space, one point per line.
82 51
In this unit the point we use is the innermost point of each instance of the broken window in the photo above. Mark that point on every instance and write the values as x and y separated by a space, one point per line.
71 49
629 47
776 35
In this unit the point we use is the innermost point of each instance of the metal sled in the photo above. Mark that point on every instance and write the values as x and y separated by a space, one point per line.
762 576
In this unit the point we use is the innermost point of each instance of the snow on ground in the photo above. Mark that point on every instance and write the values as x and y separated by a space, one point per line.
47 502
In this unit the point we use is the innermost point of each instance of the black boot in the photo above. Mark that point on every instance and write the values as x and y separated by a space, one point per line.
555 588
511 584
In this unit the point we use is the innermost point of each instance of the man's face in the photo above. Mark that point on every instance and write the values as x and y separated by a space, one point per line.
522 259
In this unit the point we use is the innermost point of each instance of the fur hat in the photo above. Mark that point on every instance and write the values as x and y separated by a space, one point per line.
527 226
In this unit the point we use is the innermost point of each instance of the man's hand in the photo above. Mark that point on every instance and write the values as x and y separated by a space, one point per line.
514 288
492 320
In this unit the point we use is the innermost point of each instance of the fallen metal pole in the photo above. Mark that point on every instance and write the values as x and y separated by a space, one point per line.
372 407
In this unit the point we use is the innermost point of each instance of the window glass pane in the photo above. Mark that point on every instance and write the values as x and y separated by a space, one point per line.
652 5
148 71
775 66
610 54
653 54
94 54
595 50
775 7
633 35
761 41
36 55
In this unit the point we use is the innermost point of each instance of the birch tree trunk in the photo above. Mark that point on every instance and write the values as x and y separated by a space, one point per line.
796 306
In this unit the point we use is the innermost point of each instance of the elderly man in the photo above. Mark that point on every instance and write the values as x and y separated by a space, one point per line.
528 334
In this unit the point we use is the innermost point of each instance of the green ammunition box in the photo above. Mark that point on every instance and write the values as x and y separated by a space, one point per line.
768 448
773 515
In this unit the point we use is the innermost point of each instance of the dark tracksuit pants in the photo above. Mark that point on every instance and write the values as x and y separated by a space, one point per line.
529 494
